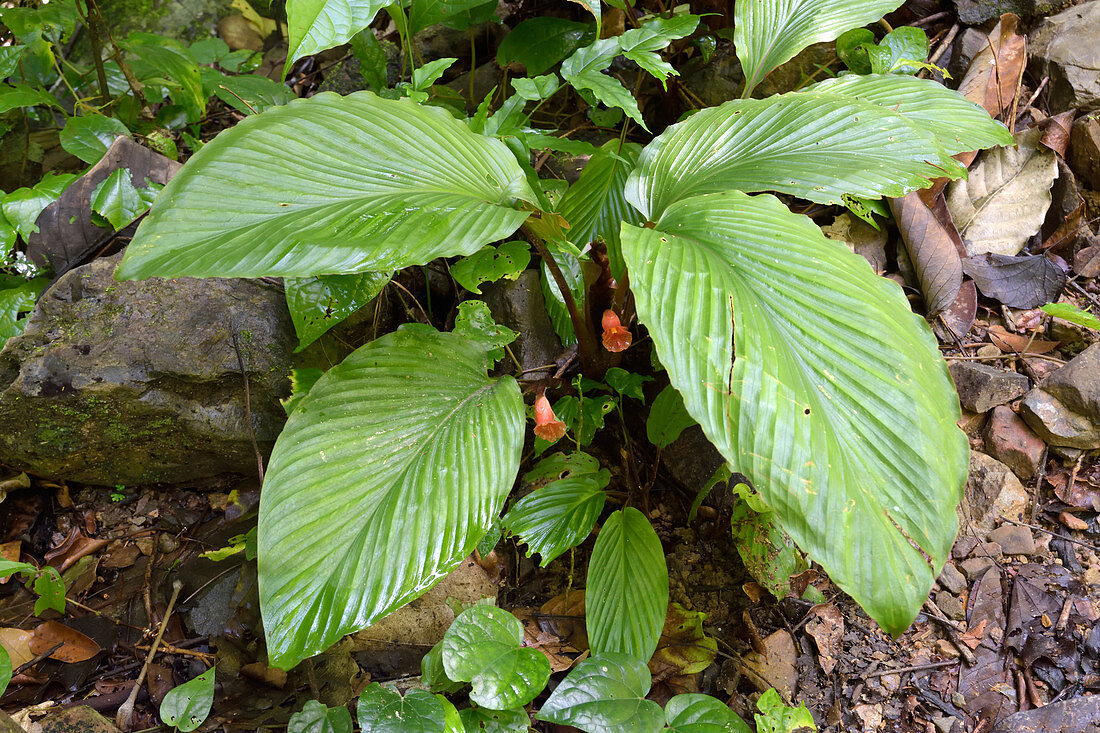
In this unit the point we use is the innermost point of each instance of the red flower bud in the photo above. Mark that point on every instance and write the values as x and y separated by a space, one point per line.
547 425
615 335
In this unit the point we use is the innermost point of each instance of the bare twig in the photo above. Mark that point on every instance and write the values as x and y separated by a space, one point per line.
914 668
126 710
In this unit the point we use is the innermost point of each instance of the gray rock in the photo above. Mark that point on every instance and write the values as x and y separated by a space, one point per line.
186 20
951 606
1064 48
975 567
519 305
1084 150
1077 384
992 493
719 80
1077 715
80 719
1014 539
1013 443
1065 409
973 12
138 382
952 579
982 387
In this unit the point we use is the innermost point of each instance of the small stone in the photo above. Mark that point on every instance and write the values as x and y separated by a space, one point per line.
988 351
1072 522
951 606
988 549
1013 443
80 719
1014 539
982 387
963 546
975 567
972 423
946 649
945 723
145 544
952 579
1056 423
167 543
992 493
1077 384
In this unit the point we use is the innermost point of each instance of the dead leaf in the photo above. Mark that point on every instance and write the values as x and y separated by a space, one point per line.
262 673
1056 132
17 643
158 681
960 316
776 668
753 590
1006 197
10 551
1018 282
931 250
1086 262
563 615
1081 493
1018 342
861 238
1066 232
974 636
72 548
826 626
994 73
75 646
683 648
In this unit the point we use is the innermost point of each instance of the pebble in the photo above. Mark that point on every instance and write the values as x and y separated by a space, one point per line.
1013 443
951 606
1072 522
982 387
952 579
975 567
1014 539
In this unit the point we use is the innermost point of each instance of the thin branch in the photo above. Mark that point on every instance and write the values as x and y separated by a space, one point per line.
586 337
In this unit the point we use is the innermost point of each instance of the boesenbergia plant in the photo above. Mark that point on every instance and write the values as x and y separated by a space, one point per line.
808 372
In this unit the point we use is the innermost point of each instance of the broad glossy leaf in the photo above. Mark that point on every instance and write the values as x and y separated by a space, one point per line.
560 515
491 264
539 43
584 70
1073 314
627 594
89 137
483 720
766 33
166 63
387 474
316 717
667 418
316 25
457 14
117 201
579 274
595 205
484 645
331 185
22 95
17 297
186 706
815 145
838 407
641 45
695 713
317 304
605 694
958 124
432 674
22 206
381 710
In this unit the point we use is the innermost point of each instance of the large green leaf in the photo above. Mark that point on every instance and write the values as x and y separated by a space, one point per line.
595 206
837 407
816 145
539 43
695 713
187 706
331 185
316 25
17 296
958 124
317 304
767 33
381 710
605 694
627 594
386 475
484 646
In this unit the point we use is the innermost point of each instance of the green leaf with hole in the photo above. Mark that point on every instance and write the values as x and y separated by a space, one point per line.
475 322
382 710
89 137
489 264
833 399
186 706
386 475
316 717
317 304
627 594
484 646
301 382
483 720
331 185
776 717
695 713
50 589
605 694
559 515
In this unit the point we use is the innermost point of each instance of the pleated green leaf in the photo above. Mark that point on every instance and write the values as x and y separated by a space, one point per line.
958 124
837 407
316 25
331 185
595 205
766 33
627 594
386 475
605 694
815 145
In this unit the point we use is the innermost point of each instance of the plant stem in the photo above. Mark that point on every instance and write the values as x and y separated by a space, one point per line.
97 51
586 337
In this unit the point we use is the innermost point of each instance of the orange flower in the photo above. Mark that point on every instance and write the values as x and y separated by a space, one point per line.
547 425
615 335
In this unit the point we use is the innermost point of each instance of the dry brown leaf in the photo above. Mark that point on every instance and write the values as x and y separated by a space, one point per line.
826 626
960 316
10 551
262 673
1019 343
683 648
1005 198
1056 131
931 250
563 615
973 637
17 643
994 73
75 646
